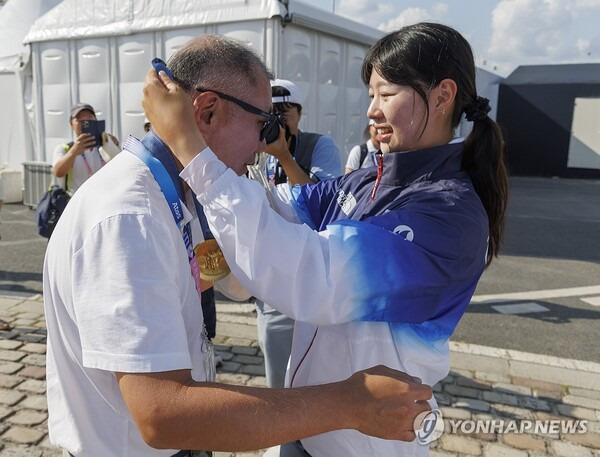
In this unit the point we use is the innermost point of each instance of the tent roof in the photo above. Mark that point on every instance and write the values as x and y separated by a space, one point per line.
96 18
584 73
16 16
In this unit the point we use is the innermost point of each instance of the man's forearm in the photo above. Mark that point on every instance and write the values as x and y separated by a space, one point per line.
213 416
295 174
63 165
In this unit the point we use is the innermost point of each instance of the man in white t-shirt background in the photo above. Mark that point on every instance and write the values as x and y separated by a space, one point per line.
74 163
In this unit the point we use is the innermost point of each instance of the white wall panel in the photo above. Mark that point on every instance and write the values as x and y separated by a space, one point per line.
93 71
134 56
15 139
356 101
175 39
55 94
298 66
252 33
54 62
328 79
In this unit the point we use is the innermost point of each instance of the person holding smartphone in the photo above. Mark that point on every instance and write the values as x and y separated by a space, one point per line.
76 161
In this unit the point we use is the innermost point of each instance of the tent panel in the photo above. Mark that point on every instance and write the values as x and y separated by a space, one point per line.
329 75
354 115
250 32
297 62
15 140
54 63
175 39
56 102
134 56
55 90
298 65
93 71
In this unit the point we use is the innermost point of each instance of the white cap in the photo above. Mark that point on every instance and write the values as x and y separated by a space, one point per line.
294 92
371 122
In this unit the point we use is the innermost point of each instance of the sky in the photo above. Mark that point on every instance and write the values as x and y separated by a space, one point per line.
503 33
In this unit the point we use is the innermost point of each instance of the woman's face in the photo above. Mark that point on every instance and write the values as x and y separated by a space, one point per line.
399 114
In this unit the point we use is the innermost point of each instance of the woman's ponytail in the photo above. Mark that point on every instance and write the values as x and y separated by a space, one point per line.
483 160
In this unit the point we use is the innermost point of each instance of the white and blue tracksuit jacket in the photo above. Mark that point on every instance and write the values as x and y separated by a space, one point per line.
368 282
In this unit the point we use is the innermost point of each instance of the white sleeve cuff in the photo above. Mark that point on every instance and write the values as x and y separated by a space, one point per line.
202 171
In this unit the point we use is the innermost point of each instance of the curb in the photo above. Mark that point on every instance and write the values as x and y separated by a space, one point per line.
508 362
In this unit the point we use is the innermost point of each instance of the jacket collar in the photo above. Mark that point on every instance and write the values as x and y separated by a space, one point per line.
403 168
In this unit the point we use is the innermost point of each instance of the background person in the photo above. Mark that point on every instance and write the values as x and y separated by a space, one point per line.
377 266
302 157
76 162
129 368
363 155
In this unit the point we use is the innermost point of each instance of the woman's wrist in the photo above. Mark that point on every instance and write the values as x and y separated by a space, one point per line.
188 147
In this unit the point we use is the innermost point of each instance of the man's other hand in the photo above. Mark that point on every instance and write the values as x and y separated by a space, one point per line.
386 402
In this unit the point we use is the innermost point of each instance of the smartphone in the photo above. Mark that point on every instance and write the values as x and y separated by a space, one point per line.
95 128
159 65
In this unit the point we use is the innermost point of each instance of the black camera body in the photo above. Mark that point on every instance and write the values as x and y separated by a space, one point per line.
275 132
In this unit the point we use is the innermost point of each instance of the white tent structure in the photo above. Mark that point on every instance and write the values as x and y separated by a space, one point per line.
16 17
98 52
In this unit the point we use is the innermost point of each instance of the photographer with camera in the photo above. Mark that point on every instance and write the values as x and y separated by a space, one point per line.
299 158
77 161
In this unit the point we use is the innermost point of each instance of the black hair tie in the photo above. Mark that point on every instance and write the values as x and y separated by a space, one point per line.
478 110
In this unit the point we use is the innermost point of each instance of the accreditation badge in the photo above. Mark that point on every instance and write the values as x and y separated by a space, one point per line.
211 261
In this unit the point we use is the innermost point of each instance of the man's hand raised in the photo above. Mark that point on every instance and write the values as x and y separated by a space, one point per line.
171 113
84 142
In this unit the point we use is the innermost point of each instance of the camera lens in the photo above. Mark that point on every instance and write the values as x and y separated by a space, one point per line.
273 132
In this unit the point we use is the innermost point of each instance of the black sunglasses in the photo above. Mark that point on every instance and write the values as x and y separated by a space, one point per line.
269 131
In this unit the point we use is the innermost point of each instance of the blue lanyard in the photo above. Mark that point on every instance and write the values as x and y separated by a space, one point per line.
160 173
160 150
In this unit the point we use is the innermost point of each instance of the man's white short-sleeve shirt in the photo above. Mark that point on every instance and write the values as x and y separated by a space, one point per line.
119 297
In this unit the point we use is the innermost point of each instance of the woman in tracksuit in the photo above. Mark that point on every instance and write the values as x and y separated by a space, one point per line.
378 266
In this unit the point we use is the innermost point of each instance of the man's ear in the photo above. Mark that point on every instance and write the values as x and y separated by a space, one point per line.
205 106
444 95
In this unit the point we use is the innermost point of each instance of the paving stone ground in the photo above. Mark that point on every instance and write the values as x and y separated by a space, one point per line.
474 397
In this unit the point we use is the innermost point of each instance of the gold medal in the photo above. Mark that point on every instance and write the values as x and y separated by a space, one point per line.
211 261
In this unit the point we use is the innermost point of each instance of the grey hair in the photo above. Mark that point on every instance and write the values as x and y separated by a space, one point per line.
218 63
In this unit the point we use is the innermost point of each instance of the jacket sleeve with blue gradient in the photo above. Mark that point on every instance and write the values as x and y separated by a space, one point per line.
352 270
